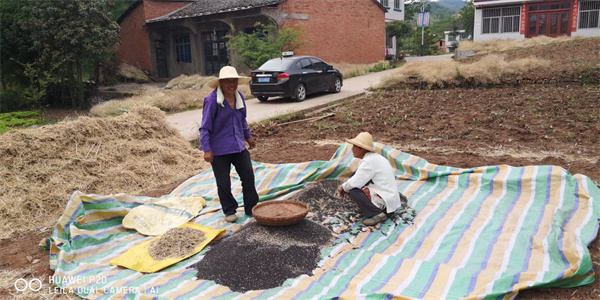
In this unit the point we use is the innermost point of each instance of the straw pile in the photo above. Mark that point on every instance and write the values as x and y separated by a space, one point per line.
41 167
176 242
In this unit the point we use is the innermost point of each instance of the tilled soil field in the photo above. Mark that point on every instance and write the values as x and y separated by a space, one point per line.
545 124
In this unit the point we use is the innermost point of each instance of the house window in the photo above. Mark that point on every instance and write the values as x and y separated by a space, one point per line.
589 13
385 3
397 4
182 48
497 20
451 38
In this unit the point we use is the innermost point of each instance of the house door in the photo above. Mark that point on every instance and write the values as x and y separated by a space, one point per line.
161 59
549 19
215 51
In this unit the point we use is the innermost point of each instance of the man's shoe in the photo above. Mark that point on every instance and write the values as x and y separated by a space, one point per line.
231 218
374 220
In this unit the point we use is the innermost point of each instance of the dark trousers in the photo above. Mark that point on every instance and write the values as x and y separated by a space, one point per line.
243 166
364 203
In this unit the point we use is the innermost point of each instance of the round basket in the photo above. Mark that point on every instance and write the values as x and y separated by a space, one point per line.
280 213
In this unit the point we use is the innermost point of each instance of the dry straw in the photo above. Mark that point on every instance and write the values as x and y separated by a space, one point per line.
176 243
181 93
41 167
498 45
488 70
130 72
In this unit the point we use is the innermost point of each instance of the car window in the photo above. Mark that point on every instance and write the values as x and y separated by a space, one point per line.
276 64
318 64
304 64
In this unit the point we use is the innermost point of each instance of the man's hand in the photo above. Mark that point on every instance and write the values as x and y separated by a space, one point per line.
341 192
251 142
208 156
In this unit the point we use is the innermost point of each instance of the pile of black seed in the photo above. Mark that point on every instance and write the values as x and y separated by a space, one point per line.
325 202
259 257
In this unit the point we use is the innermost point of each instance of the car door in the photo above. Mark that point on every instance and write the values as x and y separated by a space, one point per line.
324 78
309 75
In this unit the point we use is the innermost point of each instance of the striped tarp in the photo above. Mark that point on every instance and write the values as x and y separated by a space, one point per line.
485 232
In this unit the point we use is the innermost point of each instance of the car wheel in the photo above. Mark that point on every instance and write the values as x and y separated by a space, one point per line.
337 85
300 93
262 98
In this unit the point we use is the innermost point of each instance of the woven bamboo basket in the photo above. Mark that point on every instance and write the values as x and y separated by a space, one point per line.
280 213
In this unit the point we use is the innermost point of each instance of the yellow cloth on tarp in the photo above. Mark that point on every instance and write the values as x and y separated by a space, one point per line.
139 259
158 217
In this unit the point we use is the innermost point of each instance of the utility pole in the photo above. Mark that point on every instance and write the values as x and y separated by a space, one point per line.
422 27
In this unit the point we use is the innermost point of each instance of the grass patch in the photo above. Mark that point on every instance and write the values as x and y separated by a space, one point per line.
491 69
20 119
353 70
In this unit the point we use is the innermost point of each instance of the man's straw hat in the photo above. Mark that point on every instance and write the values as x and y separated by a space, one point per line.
227 72
363 140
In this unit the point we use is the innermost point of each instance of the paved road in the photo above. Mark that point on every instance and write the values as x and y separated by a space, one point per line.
187 123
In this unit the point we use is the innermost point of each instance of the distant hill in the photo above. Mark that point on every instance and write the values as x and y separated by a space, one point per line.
445 8
452 4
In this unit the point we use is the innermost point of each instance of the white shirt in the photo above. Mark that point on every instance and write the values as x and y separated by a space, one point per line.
384 191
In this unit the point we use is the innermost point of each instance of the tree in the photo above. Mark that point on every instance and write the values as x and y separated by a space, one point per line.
401 30
15 47
71 33
263 43
467 15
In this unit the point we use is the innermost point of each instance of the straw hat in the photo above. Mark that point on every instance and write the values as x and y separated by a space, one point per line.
227 72
363 140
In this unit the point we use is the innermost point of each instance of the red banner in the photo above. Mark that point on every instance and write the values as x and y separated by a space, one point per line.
523 17
574 13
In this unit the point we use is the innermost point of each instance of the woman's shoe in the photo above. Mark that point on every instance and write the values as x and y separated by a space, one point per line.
374 220
231 218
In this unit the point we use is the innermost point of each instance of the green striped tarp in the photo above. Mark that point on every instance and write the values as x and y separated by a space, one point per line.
485 232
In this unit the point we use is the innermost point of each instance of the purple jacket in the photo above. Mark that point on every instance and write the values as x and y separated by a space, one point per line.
223 130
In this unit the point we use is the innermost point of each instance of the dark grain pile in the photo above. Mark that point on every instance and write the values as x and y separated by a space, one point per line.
177 242
324 201
259 257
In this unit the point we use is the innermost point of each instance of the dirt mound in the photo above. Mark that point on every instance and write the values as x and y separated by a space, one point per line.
41 167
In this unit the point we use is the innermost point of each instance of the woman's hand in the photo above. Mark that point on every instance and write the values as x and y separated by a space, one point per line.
341 192
251 142
208 156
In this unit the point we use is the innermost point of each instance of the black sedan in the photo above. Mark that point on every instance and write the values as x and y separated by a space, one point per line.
295 77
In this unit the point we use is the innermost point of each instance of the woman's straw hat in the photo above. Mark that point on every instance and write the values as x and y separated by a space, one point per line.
227 72
363 140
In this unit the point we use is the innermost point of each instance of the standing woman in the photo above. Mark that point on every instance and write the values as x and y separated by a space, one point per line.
223 134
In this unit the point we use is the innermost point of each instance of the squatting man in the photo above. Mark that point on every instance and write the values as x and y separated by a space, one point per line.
373 185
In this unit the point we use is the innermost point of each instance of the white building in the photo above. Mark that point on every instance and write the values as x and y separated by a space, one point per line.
395 12
452 39
519 19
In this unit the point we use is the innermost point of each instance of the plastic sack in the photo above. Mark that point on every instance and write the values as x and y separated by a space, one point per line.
139 259
158 217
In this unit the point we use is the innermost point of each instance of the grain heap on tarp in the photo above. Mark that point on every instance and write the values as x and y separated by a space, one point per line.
41 167
259 257
176 242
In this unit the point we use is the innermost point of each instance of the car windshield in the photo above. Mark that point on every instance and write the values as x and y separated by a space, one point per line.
276 64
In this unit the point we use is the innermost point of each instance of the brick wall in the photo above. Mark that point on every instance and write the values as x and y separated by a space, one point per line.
155 9
351 31
134 47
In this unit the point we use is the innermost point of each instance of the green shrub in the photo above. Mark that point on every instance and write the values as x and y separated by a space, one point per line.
19 119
